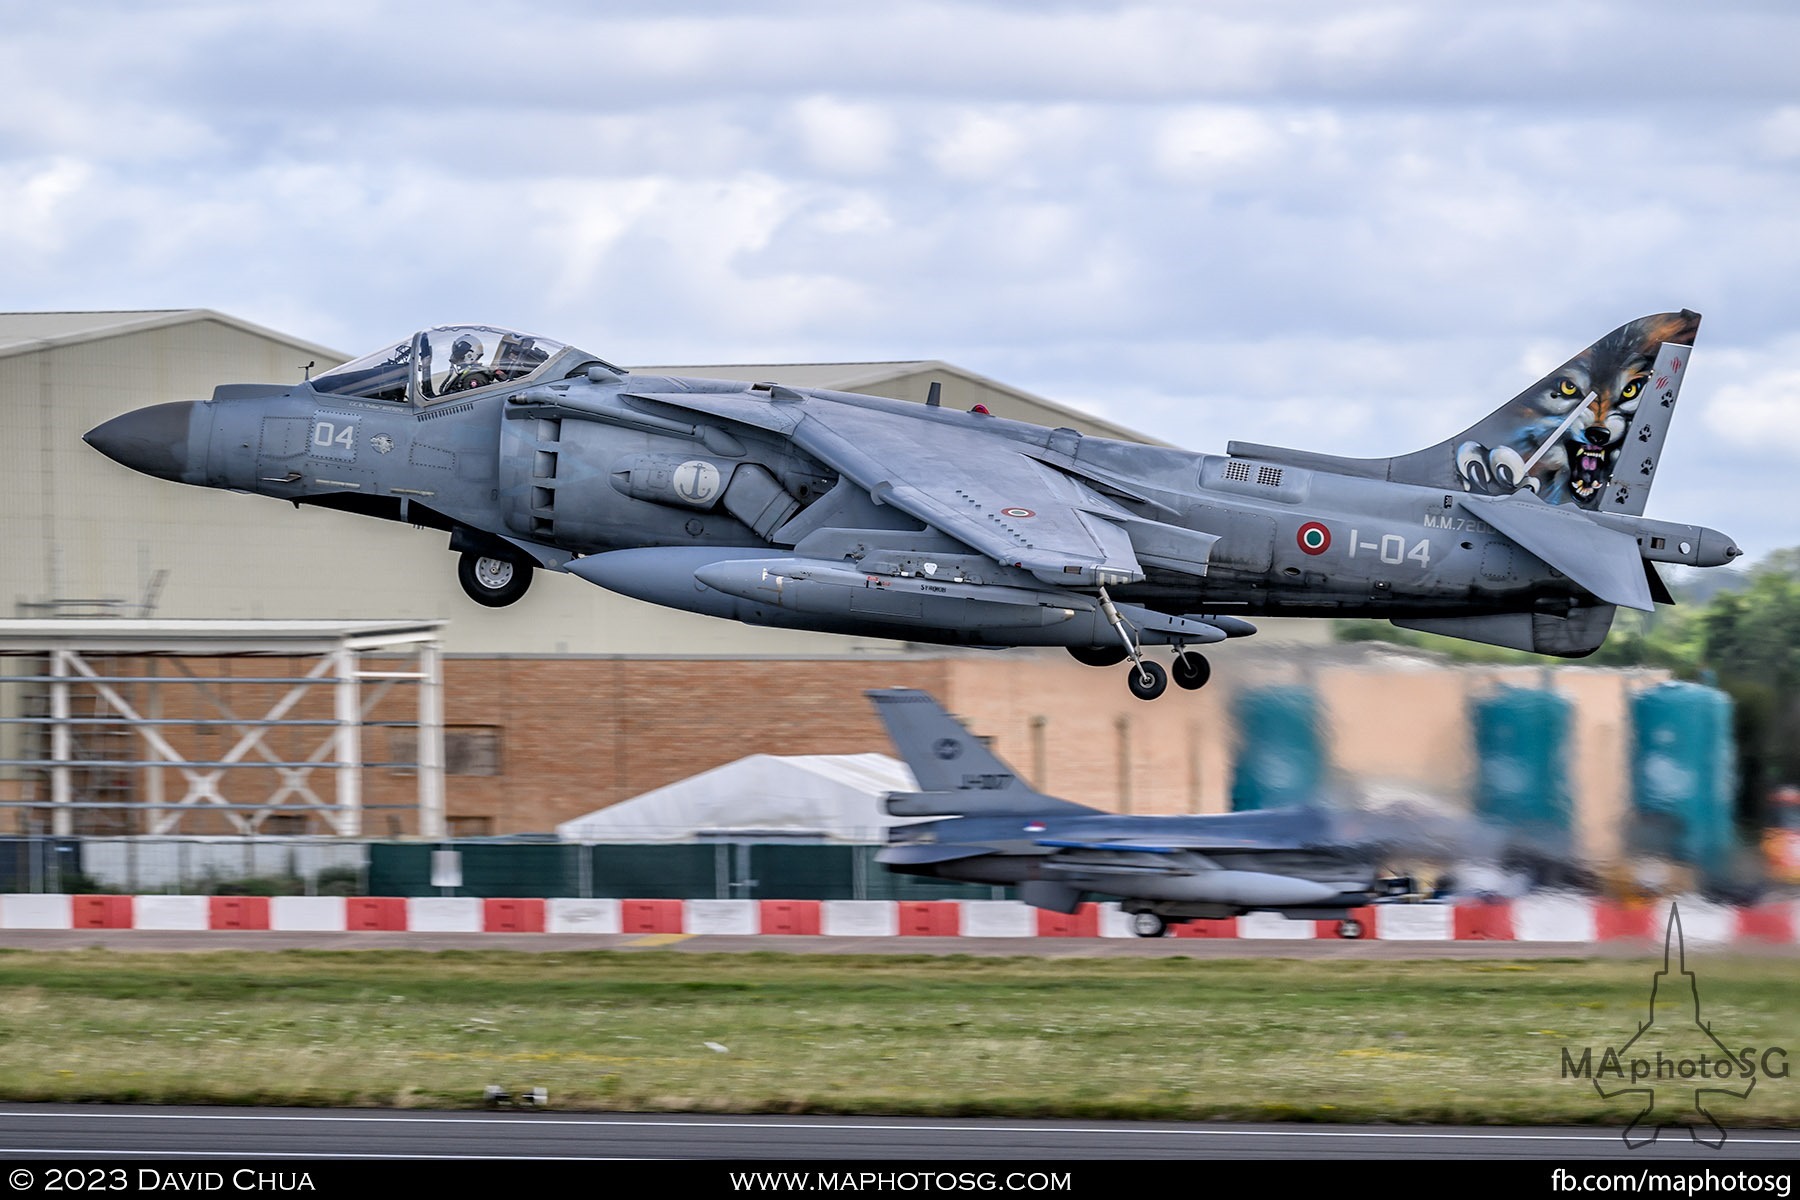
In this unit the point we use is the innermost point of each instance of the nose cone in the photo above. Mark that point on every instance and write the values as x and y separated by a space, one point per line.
153 440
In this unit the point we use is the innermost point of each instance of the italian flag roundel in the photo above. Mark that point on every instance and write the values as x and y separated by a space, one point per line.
1314 538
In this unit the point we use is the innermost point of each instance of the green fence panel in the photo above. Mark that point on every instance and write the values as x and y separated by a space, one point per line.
682 872
785 872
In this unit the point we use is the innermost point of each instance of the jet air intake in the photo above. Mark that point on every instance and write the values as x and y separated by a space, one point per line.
746 490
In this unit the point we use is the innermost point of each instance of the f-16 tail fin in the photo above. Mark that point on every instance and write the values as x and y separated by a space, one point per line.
957 774
1589 434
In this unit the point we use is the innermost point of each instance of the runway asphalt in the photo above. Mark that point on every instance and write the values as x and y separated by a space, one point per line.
57 1131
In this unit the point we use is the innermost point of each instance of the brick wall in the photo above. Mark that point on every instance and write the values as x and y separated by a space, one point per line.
580 734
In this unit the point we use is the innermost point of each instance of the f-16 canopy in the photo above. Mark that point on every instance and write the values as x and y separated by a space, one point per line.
448 360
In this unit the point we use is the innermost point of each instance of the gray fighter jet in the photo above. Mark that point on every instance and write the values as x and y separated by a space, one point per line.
1301 862
847 513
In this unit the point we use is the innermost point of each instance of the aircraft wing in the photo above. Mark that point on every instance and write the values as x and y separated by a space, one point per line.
1133 847
1275 830
974 486
927 852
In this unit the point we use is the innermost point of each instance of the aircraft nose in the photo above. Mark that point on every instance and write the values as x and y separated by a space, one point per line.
153 440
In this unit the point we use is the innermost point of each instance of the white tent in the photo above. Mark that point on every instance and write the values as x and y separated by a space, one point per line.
833 797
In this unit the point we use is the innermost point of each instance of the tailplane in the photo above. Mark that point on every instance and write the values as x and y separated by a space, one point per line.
1589 434
958 775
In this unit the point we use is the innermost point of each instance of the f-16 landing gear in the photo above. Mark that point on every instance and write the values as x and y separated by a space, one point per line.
1148 924
495 582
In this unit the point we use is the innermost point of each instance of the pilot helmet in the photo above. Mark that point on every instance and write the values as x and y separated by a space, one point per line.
466 349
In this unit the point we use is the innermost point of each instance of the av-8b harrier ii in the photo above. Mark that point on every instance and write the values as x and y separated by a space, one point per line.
844 513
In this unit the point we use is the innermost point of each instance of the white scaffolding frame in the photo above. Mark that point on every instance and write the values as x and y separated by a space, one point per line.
80 654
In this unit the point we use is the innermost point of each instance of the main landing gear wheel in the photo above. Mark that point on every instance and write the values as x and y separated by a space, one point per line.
495 582
1098 656
1148 924
1350 928
1147 680
1191 671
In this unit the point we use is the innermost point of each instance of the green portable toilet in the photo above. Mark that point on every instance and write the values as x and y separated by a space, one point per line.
1683 774
1521 761
1281 754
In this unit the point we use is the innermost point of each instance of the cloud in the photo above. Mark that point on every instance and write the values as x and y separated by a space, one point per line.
1279 221
845 139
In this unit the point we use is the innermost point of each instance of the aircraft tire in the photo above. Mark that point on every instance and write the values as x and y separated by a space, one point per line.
1148 925
1350 928
1098 656
1191 671
495 582
1158 680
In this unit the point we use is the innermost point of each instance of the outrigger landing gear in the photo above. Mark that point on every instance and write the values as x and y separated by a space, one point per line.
1147 679
1191 670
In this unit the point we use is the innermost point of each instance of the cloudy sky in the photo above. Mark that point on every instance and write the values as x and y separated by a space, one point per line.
1349 227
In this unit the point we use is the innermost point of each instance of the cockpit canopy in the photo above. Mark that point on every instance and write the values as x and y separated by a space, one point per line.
435 364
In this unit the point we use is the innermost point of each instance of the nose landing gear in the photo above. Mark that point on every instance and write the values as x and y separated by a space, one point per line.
495 582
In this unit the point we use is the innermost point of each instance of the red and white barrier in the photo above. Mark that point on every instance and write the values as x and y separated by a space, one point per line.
1565 919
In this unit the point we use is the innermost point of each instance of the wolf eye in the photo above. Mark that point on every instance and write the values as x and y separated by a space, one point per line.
1565 388
1632 389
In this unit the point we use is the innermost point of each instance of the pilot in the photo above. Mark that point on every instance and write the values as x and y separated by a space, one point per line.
466 370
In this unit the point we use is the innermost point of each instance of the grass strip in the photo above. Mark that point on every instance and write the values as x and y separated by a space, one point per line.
646 1030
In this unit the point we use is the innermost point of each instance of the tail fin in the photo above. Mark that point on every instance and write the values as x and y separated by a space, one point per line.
1588 434
946 758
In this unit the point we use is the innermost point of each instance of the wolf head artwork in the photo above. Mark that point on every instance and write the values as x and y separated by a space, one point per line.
1563 436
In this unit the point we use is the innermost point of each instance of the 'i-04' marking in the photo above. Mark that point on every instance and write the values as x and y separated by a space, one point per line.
1391 549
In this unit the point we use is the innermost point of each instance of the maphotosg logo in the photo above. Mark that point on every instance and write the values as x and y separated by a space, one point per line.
1675 1067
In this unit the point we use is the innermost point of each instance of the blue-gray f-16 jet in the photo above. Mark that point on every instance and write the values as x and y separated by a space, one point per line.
993 827
845 513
